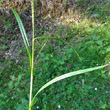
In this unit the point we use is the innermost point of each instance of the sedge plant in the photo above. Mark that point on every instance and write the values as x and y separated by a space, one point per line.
31 57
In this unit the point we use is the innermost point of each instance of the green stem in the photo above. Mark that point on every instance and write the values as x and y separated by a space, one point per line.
32 64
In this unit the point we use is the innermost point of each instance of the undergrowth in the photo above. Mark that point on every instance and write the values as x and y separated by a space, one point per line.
90 91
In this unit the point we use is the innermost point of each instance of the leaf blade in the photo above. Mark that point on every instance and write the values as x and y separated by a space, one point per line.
66 76
23 32
56 38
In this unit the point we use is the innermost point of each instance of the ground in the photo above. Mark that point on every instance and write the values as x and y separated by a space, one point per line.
86 28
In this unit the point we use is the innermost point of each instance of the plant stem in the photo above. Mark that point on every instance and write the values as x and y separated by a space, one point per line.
41 50
32 64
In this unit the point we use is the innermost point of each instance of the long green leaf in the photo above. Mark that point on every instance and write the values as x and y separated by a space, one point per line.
66 76
56 38
23 32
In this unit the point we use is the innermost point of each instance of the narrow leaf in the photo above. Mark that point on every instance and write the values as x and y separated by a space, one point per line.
46 37
66 76
23 32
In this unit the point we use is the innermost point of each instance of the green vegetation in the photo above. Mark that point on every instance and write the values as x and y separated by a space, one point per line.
91 39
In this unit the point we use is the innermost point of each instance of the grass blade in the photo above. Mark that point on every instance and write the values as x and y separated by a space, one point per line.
66 76
23 32
46 37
